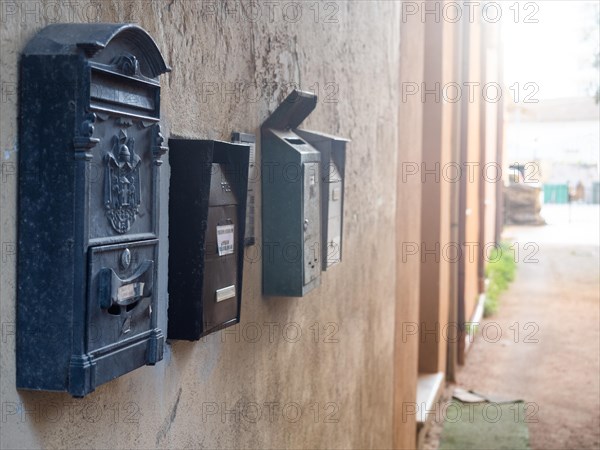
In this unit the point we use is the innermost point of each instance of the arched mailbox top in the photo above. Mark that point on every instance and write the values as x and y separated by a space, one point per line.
103 43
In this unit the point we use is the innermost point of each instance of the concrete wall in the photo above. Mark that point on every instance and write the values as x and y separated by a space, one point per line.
341 380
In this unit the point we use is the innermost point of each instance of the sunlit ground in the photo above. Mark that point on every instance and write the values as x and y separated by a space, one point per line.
555 291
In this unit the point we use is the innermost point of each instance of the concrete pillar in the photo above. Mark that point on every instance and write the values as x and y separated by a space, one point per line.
436 200
408 232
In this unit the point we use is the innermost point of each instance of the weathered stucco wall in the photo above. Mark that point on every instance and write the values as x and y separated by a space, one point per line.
338 373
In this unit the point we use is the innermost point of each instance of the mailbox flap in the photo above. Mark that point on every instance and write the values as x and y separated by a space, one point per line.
120 286
292 111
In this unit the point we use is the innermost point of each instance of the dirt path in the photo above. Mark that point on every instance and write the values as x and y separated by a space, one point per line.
548 353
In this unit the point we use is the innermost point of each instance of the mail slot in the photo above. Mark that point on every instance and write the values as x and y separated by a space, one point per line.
207 217
90 151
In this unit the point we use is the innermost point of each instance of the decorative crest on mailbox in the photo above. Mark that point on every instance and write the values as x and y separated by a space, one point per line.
122 188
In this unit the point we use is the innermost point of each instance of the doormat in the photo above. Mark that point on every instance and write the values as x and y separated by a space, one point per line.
484 426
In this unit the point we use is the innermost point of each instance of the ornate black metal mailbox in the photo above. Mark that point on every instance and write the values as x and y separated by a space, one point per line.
90 152
207 217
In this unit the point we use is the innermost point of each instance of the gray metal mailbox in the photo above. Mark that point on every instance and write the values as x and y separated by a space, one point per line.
303 180
291 201
90 153
333 168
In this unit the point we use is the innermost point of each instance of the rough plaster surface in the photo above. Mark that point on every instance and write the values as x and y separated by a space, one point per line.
340 381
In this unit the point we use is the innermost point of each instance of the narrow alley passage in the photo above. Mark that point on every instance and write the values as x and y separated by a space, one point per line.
548 351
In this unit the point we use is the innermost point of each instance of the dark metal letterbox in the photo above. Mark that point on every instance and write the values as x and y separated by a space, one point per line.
333 167
90 153
207 217
291 201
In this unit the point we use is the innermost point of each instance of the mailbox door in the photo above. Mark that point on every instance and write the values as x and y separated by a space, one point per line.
220 290
120 290
122 199
334 216
311 221
123 206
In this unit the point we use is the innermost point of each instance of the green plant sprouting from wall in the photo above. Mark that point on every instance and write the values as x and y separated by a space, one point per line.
500 271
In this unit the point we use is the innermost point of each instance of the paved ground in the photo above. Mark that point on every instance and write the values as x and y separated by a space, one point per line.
548 353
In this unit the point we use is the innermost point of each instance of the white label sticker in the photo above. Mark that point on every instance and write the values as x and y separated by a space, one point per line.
130 290
225 239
